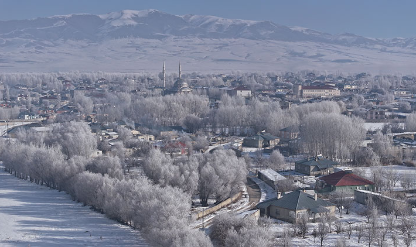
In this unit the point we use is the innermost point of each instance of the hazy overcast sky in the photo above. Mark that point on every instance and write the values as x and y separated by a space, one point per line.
371 18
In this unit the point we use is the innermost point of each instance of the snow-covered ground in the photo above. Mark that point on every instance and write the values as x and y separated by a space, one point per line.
355 218
6 127
267 192
32 215
240 206
373 126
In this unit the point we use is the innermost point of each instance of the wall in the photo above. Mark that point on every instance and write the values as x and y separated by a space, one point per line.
217 207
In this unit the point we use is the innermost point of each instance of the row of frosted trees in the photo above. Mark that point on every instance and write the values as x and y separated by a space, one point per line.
60 158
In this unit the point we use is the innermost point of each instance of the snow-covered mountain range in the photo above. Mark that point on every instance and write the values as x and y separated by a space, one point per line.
137 41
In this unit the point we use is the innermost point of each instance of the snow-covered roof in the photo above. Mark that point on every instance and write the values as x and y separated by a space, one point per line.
272 174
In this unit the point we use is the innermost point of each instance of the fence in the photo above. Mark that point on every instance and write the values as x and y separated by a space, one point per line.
217 207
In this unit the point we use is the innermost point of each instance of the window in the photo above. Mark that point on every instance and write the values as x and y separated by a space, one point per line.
277 212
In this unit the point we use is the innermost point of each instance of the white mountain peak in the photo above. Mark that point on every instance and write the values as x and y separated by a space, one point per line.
126 17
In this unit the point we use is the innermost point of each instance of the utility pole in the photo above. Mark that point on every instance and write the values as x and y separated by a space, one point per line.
203 215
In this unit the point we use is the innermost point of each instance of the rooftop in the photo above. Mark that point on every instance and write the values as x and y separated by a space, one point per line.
319 87
272 174
345 178
318 161
296 200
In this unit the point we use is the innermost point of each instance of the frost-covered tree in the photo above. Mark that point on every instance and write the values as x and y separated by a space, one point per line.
220 175
75 138
277 161
109 165
164 171
332 135
411 122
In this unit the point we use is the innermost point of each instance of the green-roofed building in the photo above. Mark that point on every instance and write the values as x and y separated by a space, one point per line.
294 205
263 140
315 166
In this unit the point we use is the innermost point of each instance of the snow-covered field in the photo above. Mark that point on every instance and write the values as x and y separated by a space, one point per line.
32 215
137 55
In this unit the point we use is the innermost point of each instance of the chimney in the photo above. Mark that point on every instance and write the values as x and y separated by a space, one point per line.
316 196
279 195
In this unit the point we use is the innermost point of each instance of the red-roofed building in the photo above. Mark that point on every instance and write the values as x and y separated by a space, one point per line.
175 148
343 181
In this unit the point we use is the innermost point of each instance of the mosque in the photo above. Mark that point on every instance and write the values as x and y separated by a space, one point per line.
179 87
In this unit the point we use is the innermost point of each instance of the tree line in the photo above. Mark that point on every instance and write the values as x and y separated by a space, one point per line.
160 212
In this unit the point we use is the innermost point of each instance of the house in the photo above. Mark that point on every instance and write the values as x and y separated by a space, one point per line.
294 205
270 177
264 140
175 148
289 133
241 91
146 137
315 166
376 113
253 141
343 181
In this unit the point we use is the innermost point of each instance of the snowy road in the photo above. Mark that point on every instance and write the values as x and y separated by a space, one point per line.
32 215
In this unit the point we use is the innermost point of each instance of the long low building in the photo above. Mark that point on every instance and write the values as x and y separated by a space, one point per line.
318 91
270 177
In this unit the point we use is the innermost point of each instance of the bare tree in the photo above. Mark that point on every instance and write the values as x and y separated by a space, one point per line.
314 234
286 239
390 224
348 201
394 240
341 242
371 234
338 227
329 219
360 232
338 198
322 230
393 177
383 230
407 182
302 225
407 239
349 229
401 209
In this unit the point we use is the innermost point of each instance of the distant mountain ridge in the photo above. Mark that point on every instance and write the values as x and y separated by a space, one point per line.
28 42
154 24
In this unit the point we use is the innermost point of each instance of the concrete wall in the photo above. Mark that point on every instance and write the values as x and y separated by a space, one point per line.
217 207
362 196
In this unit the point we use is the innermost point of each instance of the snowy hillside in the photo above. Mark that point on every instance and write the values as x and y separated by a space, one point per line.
32 215
136 41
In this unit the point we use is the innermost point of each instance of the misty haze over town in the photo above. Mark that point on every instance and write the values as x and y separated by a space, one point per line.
215 124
